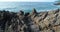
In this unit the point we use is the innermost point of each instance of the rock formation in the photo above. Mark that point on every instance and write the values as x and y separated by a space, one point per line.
48 21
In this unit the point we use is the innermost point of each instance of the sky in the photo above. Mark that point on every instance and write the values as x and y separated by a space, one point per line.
27 0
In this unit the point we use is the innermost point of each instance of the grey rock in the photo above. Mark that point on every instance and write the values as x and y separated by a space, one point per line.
48 21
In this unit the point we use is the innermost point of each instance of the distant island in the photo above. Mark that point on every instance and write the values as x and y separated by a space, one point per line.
57 2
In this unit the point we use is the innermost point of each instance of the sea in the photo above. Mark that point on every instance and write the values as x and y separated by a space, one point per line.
28 6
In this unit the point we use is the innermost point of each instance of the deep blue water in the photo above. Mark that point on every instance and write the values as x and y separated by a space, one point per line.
27 6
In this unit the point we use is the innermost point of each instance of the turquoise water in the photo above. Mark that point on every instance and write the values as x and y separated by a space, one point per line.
27 6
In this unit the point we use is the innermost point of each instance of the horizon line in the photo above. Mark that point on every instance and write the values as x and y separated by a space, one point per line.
22 1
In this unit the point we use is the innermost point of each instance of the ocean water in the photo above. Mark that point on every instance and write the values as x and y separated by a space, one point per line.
27 6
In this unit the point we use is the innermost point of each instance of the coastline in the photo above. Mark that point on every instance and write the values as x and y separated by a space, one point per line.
47 21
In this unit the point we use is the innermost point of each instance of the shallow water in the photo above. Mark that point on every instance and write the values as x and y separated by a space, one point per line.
27 6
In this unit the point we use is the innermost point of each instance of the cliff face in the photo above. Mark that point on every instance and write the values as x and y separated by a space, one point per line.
30 22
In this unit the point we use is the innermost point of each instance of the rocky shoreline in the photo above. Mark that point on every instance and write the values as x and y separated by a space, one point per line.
30 22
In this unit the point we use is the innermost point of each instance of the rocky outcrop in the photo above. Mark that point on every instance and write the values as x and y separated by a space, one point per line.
57 3
48 21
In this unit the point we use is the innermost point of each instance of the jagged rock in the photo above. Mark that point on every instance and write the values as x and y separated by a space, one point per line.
49 30
20 15
56 28
21 12
26 14
34 11
35 22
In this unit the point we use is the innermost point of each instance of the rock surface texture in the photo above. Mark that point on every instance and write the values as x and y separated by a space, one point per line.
48 21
